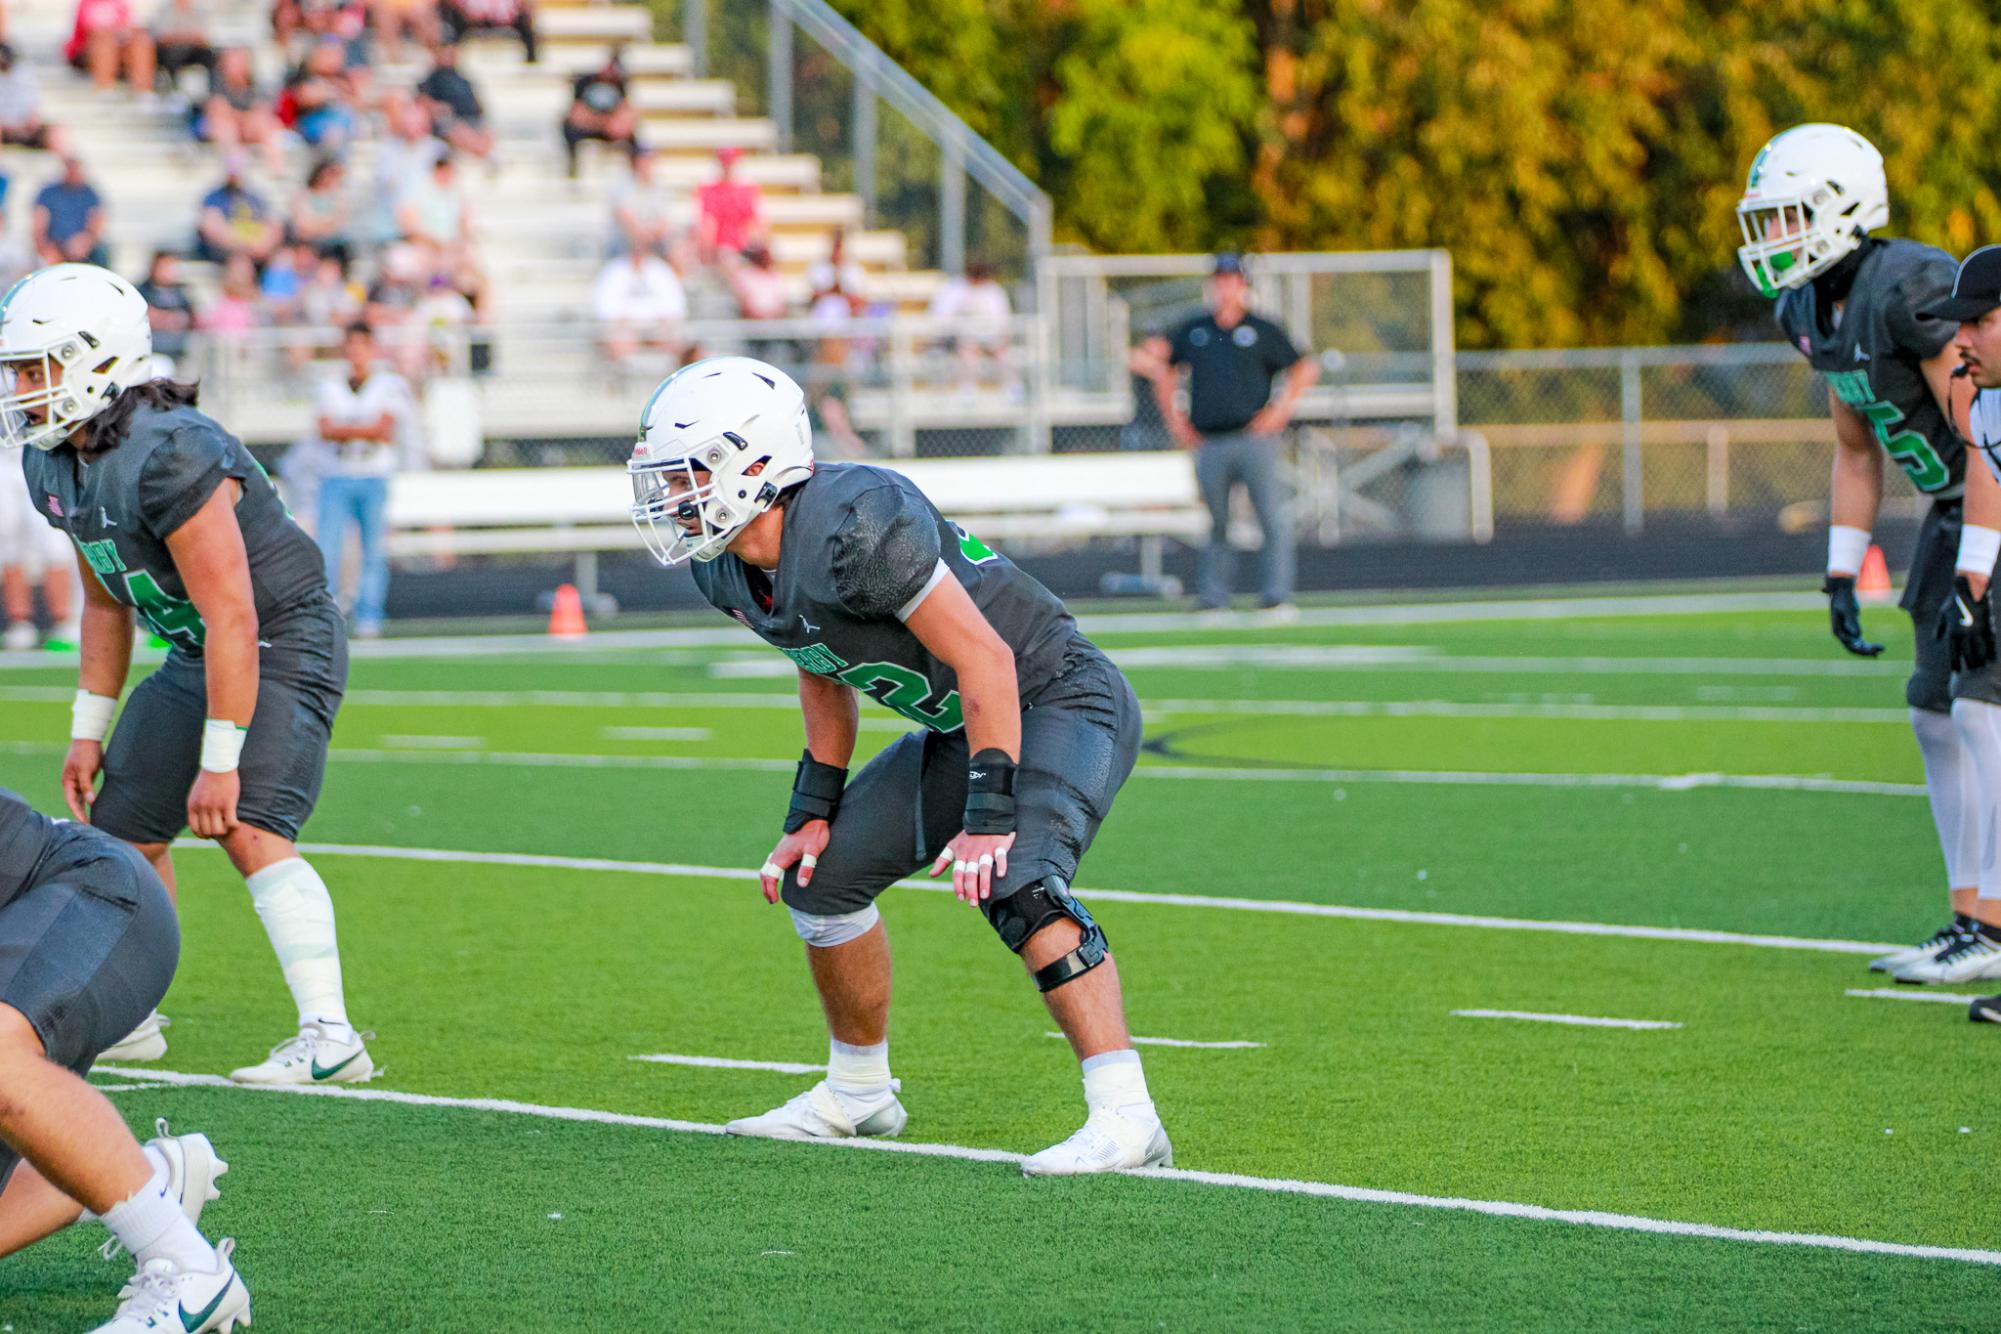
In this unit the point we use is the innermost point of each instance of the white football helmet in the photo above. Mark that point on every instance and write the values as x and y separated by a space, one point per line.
1814 192
85 331
696 479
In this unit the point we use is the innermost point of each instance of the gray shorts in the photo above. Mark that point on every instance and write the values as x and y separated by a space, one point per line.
86 952
155 751
1079 742
1931 686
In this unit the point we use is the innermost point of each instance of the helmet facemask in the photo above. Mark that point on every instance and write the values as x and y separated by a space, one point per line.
43 417
691 506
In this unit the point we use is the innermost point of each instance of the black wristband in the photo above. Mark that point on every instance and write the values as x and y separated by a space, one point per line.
990 793
816 792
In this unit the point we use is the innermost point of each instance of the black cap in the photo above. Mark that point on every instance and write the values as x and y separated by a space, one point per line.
1229 261
1975 291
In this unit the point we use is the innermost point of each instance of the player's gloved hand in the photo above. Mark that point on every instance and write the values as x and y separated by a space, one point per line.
975 859
212 803
80 770
1966 623
803 846
1845 614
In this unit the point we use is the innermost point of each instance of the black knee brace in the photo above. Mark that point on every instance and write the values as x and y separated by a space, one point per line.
1032 907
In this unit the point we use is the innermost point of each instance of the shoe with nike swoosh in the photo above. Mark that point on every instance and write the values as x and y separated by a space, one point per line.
163 1297
313 1057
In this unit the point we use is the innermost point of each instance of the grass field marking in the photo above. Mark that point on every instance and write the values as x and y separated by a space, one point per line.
655 733
728 1063
1907 994
411 741
1574 1020
1274 1185
1181 1042
1412 917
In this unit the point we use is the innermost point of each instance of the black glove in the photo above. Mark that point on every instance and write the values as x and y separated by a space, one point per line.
1967 624
1845 614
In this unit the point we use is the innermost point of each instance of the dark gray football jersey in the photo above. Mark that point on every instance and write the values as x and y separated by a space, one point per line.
1872 356
862 547
120 508
34 848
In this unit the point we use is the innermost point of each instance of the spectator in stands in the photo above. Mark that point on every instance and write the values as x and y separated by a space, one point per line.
283 283
235 220
181 40
837 273
456 114
642 209
341 21
600 109
639 302
105 42
762 292
401 281
1233 423
395 20
324 96
330 302
69 219
21 120
460 17
446 317
320 216
436 217
364 415
17 258
731 211
402 158
237 113
978 305
171 312
232 315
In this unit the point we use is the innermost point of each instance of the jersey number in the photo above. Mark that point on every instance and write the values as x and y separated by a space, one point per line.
1911 451
903 690
171 618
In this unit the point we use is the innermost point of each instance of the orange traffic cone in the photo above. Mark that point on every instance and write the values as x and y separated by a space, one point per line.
566 614
1872 585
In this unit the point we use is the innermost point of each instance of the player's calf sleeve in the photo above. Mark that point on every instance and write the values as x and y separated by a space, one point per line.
1979 725
298 916
1954 790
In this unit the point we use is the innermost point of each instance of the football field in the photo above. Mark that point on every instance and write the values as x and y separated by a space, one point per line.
1500 966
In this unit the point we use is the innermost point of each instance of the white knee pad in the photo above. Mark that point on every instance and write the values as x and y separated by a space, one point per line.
1954 789
827 932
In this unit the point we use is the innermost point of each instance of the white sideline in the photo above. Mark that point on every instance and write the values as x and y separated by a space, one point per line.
1274 1185
1182 1042
1695 935
726 1063
1907 994
1575 1020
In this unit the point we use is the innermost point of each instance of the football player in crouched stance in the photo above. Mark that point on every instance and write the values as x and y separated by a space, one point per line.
1028 734
171 516
88 944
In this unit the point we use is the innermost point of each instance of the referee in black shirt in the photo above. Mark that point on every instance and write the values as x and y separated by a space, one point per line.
1233 423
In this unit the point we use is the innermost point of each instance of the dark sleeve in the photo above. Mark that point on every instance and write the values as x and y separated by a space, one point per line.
1177 344
427 86
1930 281
183 472
1277 344
884 552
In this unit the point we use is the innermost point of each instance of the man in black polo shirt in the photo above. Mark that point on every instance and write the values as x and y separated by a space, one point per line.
1233 423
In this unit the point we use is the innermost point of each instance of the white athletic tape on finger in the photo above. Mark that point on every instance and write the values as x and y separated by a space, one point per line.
986 859
960 868
772 869
809 861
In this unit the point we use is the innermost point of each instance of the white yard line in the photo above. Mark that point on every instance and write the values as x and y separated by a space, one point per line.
1272 1185
1691 935
1574 1020
1909 994
410 742
727 1063
1183 1042
655 733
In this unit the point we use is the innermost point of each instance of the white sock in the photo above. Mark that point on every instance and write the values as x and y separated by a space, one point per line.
1954 793
1114 1080
151 1225
862 1073
1980 736
298 916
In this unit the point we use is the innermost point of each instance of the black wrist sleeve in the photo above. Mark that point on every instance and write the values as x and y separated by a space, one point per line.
816 792
990 793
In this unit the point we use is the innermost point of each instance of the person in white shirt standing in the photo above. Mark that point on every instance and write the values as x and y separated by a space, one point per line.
363 416
639 302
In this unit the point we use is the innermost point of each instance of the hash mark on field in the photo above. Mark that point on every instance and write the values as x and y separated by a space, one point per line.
1904 993
435 742
1577 1020
125 1088
656 733
1273 1185
1184 1042
727 1063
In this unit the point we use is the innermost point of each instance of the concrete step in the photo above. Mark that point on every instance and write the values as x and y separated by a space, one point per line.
594 23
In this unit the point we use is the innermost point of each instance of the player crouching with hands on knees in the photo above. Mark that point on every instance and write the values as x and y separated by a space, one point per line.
1029 732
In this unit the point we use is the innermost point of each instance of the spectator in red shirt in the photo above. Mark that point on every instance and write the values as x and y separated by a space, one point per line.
732 211
105 40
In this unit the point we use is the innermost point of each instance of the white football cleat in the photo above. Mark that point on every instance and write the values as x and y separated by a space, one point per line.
163 1296
1904 958
192 1169
1968 959
312 1058
144 1043
820 1113
1107 1142
20 637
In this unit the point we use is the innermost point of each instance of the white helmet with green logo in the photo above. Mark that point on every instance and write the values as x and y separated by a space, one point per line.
1814 193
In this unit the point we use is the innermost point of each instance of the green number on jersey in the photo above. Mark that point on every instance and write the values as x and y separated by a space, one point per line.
1910 450
171 618
903 690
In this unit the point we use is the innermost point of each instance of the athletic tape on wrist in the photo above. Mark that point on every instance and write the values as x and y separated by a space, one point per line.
816 793
1979 548
221 745
90 716
990 793
1846 548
